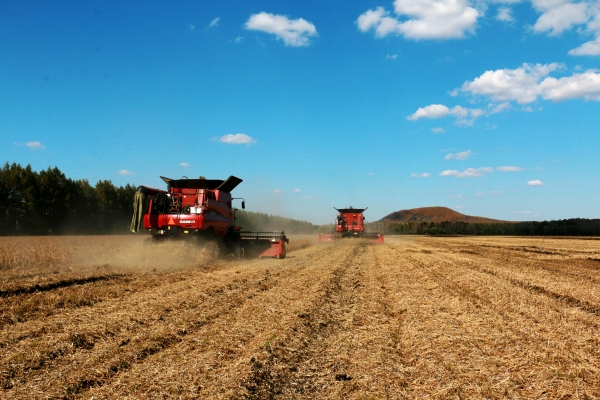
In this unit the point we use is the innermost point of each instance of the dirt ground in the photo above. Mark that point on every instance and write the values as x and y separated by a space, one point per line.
416 317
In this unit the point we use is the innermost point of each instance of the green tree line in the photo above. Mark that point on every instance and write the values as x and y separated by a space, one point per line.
564 227
47 202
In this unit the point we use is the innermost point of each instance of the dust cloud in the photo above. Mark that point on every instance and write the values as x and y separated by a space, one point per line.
51 258
147 255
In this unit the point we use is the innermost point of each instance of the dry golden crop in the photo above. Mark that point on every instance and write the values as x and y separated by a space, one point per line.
417 317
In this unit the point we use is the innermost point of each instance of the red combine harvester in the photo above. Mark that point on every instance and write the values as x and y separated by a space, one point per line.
350 223
201 210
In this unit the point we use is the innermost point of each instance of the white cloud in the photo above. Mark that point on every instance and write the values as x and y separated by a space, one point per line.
468 173
422 19
214 22
522 212
559 15
239 39
479 194
391 56
35 145
184 165
296 190
435 111
509 169
529 82
238 138
277 191
31 145
536 182
496 192
459 207
438 130
504 14
423 175
457 196
585 86
520 84
192 26
524 85
591 48
125 172
494 109
432 111
309 198
293 32
463 155
505 1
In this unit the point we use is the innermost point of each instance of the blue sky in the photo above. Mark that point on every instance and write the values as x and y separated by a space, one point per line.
487 107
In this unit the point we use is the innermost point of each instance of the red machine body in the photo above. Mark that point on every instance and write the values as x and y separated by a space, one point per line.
194 205
350 222
201 208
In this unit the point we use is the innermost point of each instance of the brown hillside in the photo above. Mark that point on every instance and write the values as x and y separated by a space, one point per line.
433 214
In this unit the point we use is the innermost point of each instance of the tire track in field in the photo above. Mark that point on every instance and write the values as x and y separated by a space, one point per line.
535 333
188 313
526 349
588 269
543 265
459 290
61 284
27 310
212 362
467 294
289 368
30 303
480 301
565 299
69 344
442 348
370 348
84 291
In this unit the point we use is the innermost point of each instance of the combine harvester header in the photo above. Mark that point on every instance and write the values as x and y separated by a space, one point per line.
201 209
350 222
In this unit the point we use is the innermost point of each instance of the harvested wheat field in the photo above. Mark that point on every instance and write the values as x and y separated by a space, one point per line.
418 317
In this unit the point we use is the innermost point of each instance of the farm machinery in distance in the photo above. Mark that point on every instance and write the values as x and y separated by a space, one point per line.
201 210
350 223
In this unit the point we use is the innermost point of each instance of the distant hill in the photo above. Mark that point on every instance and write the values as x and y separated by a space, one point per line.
433 214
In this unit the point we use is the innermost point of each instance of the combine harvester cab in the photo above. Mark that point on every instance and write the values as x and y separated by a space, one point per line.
350 222
201 209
